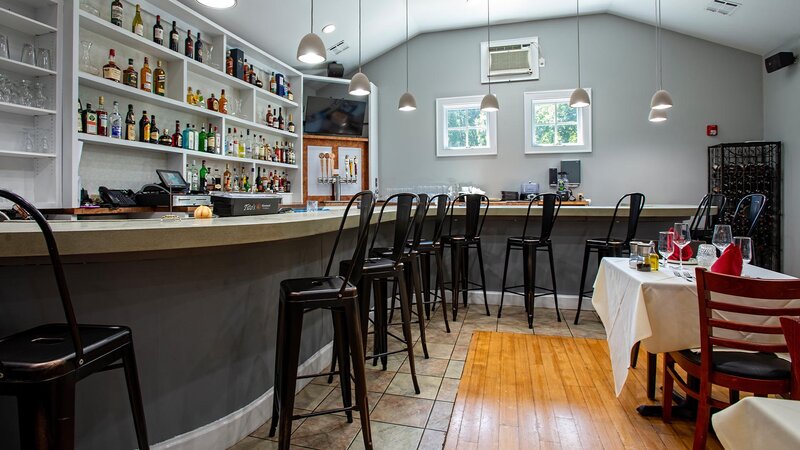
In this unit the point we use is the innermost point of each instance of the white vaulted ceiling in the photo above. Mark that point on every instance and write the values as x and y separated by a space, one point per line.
277 26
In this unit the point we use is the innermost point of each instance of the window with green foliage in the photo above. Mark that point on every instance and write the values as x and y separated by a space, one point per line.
462 129
552 126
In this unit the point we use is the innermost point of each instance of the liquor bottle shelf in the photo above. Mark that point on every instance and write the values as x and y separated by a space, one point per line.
136 145
25 110
24 24
22 154
24 69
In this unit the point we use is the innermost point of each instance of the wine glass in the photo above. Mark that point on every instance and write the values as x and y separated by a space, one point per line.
681 237
723 237
666 245
745 245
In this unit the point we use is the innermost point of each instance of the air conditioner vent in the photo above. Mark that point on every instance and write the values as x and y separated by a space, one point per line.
339 47
510 60
723 7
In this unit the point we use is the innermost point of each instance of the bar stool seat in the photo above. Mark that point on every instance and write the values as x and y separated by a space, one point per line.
519 240
315 288
602 242
461 237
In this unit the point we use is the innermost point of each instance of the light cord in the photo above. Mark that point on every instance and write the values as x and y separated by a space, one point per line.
658 44
578 24
406 45
489 44
359 35
312 16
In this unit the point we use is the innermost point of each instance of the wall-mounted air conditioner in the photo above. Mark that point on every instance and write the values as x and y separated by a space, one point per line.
510 60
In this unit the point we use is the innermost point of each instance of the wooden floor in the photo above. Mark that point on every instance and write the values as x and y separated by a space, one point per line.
533 391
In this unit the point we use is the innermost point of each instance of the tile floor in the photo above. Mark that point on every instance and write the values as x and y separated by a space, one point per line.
400 418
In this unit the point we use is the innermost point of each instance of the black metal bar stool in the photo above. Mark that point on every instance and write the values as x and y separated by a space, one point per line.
530 246
460 244
42 365
704 219
609 246
337 294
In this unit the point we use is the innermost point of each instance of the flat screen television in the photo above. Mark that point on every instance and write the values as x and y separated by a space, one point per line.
336 116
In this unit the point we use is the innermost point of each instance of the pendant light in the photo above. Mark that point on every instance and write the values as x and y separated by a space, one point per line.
489 102
579 97
407 100
359 84
662 99
657 115
311 49
218 4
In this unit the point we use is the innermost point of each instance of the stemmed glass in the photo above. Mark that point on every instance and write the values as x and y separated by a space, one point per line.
745 245
666 245
723 237
681 237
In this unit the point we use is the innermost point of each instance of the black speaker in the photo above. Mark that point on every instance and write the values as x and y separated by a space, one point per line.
335 70
779 61
553 176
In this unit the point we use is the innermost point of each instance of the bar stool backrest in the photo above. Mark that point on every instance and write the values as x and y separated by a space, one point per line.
442 206
58 269
704 220
419 219
636 206
473 222
551 205
748 211
403 223
366 201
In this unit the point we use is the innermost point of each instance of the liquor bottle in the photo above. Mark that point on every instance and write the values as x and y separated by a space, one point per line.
275 121
193 185
217 180
198 98
174 37
187 135
246 70
226 179
259 83
217 141
235 181
198 49
250 186
278 152
289 93
272 85
89 120
229 143
211 144
130 125
290 127
130 76
102 118
259 186
203 174
158 32
144 128
111 70
240 153
212 103
281 123
177 137
146 77
188 174
195 137
251 77
154 131
165 138
229 63
188 45
201 139
116 122
160 80
116 13
138 26
80 117
287 184
269 115
223 103
190 99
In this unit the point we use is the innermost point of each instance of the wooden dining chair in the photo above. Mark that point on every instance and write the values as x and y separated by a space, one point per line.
791 331
726 358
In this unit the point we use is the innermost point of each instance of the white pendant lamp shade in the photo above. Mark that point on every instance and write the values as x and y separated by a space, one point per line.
218 4
407 102
359 85
489 103
662 99
657 115
311 49
579 98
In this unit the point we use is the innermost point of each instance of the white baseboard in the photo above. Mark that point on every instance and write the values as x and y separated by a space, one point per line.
565 301
227 431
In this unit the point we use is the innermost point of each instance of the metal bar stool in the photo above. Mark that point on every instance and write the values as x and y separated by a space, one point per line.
460 244
337 294
530 246
41 366
704 219
609 246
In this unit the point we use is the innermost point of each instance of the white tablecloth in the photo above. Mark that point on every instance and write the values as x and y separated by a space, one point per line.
756 422
656 308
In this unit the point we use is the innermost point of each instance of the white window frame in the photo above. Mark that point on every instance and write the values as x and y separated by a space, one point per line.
442 150
536 60
584 123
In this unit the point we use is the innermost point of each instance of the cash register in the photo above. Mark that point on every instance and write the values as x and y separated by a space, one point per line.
173 189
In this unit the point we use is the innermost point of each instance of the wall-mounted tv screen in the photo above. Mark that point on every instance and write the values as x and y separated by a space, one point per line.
334 116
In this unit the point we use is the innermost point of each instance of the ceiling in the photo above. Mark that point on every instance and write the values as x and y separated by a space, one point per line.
757 26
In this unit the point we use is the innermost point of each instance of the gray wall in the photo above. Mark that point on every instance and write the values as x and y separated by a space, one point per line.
781 113
710 83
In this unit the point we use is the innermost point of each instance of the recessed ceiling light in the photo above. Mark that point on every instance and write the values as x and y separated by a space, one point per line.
218 4
329 28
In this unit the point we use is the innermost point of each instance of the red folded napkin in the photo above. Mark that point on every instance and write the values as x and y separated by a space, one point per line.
730 263
678 255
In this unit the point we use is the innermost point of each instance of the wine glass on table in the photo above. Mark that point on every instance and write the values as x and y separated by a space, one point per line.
745 245
723 237
681 238
666 245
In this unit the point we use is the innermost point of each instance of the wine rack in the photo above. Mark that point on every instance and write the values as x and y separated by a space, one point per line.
736 170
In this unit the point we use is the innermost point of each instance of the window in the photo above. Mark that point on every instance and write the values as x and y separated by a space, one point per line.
552 126
462 129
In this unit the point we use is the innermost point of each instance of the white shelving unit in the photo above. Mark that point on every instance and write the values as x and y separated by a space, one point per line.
91 161
30 157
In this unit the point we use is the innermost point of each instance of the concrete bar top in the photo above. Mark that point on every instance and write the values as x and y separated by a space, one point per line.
92 237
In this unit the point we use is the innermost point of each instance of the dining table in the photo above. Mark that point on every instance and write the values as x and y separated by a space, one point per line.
756 422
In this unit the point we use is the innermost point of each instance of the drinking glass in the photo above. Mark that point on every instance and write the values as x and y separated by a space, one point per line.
723 237
666 245
5 88
43 58
706 255
3 46
28 55
86 59
682 237
38 99
745 245
22 93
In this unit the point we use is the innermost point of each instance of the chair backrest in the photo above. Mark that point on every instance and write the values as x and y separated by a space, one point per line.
366 203
442 206
744 307
551 205
748 211
403 223
419 220
704 219
58 269
477 208
791 331
635 210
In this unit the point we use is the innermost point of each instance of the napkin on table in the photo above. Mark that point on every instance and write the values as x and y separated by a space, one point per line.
730 263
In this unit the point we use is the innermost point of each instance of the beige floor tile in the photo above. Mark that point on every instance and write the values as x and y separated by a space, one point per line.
394 362
334 401
378 380
251 443
551 330
404 385
440 336
460 352
520 327
440 416
479 326
324 380
454 369
432 440
464 339
387 436
435 350
402 410
434 367
448 390
311 396
326 432
262 431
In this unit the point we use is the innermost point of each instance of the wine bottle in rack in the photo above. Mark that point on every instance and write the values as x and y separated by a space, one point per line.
130 125
146 77
160 80
116 13
138 26
116 122
174 37
111 70
102 118
188 45
158 32
130 76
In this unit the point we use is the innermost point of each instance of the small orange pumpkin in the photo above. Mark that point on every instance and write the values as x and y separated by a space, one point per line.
202 212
